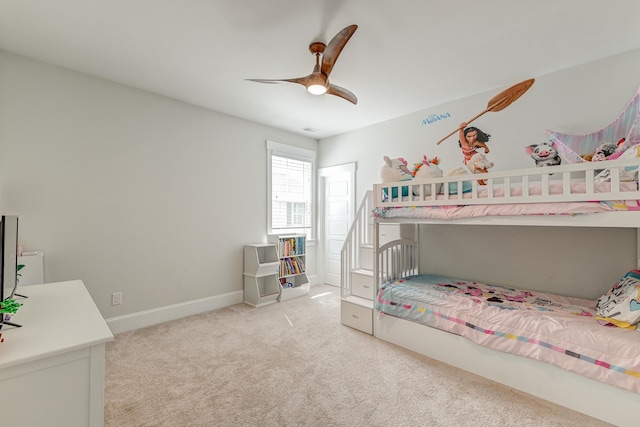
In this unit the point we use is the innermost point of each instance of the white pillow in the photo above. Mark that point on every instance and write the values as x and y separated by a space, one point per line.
621 304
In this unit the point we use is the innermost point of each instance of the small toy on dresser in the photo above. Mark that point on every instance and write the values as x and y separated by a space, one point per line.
7 308
544 154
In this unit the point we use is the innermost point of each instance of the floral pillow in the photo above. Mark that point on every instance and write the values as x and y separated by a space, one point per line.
621 304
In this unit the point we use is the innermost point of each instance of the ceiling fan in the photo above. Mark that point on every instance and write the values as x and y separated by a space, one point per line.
317 82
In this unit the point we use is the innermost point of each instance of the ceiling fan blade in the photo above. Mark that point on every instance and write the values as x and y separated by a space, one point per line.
299 80
335 46
342 93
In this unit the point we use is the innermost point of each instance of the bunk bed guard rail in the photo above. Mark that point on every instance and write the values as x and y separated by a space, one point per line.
607 180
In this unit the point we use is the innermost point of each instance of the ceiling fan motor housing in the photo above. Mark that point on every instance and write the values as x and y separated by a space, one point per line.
317 47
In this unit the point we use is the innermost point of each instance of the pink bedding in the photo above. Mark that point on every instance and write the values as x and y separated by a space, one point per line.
551 328
472 211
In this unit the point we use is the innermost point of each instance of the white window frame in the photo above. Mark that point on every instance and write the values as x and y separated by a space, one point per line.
296 153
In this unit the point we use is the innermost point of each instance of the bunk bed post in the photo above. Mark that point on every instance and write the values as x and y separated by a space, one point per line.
376 267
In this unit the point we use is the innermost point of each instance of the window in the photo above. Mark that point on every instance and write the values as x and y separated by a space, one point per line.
291 189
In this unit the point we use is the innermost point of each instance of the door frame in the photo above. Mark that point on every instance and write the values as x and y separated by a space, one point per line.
323 174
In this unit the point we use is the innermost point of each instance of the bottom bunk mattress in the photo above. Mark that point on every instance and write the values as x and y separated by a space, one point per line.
551 328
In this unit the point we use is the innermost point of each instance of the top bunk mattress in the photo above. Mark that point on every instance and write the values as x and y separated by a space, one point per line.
551 328
515 209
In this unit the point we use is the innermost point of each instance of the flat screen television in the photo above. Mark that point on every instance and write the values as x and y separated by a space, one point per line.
8 256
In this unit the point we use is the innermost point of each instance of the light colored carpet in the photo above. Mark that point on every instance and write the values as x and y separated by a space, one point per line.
294 364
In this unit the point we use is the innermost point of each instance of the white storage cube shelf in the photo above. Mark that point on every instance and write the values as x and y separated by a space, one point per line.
294 286
259 291
261 259
261 283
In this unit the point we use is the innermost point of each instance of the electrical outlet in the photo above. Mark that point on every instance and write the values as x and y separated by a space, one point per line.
116 298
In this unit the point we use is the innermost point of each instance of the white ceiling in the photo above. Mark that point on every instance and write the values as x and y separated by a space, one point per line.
406 56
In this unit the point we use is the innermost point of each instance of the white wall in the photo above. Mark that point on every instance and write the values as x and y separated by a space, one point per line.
578 100
127 190
573 261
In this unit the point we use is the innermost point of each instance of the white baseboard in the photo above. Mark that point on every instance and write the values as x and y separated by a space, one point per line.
142 319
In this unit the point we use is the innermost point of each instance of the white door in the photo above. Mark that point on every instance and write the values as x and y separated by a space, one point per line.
338 216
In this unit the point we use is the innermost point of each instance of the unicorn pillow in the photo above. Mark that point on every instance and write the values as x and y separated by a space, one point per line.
393 170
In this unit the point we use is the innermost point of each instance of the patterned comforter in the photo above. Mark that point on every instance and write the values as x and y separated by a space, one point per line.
551 328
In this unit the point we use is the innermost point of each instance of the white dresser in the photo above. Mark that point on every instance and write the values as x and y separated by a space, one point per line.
52 368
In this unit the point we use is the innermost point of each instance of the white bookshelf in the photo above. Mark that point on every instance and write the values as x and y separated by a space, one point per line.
261 279
292 269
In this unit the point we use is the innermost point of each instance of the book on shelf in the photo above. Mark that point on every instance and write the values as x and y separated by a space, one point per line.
292 265
291 246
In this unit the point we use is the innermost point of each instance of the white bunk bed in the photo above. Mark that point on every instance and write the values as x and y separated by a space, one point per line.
602 194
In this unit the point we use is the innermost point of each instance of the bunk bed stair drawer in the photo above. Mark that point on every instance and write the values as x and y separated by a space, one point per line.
366 257
362 284
357 316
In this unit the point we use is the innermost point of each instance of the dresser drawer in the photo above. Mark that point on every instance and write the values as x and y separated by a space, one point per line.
357 316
